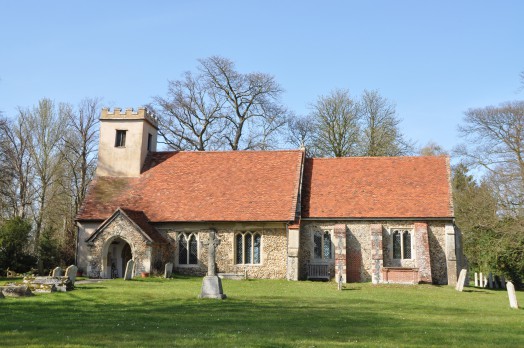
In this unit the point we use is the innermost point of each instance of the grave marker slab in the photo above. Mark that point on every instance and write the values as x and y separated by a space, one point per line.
57 272
461 280
512 296
71 273
168 270
129 270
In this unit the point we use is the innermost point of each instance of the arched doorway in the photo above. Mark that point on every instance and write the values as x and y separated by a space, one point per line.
115 260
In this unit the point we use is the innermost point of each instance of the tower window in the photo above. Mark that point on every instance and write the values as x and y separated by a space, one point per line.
120 140
149 141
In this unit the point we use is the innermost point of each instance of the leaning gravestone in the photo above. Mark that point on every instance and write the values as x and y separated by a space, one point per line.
57 272
461 280
71 273
512 296
169 270
129 270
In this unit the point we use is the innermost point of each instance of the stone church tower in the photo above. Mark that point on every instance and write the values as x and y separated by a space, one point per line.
125 139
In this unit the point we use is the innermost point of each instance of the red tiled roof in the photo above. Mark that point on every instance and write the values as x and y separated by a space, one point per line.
377 187
203 186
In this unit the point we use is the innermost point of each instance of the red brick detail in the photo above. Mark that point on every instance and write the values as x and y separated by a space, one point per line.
422 254
369 187
340 251
400 275
354 265
204 186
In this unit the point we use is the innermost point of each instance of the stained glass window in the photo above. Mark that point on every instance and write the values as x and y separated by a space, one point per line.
397 252
327 245
407 244
317 249
256 248
239 238
193 250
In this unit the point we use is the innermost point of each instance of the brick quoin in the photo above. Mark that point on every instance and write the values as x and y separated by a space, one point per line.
340 251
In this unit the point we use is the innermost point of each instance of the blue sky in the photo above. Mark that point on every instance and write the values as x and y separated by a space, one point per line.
434 59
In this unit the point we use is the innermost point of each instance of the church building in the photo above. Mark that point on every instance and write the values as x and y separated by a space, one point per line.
277 214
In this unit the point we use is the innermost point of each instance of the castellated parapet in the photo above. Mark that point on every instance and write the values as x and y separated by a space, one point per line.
130 114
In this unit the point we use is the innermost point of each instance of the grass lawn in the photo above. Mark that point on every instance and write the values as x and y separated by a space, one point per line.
157 312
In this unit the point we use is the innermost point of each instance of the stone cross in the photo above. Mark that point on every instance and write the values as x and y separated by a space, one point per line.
211 253
512 296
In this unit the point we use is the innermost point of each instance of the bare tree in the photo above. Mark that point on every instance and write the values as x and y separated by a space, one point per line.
191 116
17 170
432 149
43 126
336 124
250 103
381 135
80 147
221 108
301 133
494 141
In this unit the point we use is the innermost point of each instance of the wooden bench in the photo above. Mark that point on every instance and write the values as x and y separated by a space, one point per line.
318 271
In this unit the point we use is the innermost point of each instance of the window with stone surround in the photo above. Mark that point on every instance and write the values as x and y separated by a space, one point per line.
322 246
247 248
187 249
402 247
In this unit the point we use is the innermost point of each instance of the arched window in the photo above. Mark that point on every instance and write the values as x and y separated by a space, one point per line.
322 246
247 248
187 249
239 239
401 244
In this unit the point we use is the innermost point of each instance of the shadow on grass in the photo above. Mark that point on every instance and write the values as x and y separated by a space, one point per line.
257 313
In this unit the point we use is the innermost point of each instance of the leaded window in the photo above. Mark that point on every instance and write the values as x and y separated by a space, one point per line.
247 248
401 244
187 249
322 246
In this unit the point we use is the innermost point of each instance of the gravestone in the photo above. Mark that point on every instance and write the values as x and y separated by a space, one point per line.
503 282
490 280
129 270
16 291
168 270
57 272
512 296
461 280
71 273
476 280
211 284
481 280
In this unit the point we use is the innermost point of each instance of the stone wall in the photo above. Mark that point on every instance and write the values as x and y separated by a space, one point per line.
273 261
358 247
